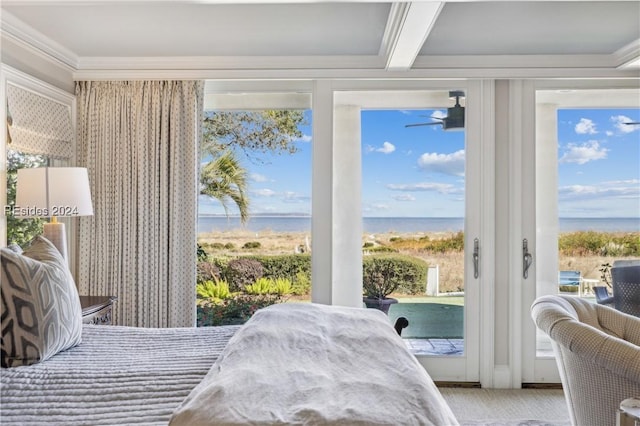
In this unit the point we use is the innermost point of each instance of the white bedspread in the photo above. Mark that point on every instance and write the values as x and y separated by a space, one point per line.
115 376
311 364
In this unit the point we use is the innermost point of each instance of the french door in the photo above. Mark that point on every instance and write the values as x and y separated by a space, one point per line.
580 143
475 182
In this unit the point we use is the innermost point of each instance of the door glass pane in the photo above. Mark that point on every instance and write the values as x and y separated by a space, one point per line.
254 223
597 197
413 208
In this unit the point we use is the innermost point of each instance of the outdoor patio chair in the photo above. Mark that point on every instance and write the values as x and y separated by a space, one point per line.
602 295
626 289
570 278
597 350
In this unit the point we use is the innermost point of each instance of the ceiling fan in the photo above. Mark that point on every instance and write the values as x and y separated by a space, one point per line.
455 115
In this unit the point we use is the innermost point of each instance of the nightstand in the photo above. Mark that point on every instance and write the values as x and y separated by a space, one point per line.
97 309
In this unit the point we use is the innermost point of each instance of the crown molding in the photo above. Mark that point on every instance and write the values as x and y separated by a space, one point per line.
352 74
231 62
39 43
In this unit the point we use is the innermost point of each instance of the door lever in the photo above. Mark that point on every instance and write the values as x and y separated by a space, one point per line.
527 259
476 258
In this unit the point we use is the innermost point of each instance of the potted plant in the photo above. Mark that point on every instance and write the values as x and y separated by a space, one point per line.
381 276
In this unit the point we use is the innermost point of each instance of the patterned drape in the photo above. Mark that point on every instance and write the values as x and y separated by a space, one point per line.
39 125
139 142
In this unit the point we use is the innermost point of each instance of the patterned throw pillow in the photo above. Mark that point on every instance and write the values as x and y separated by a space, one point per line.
40 309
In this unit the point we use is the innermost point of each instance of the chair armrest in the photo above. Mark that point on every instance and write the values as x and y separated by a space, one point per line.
607 301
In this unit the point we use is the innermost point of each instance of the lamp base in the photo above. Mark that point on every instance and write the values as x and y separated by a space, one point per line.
55 233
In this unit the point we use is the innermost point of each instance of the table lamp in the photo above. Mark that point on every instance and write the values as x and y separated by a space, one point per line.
53 192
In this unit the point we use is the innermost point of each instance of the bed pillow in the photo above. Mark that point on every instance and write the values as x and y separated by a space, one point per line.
40 309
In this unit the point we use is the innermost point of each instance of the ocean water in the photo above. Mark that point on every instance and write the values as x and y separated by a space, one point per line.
377 225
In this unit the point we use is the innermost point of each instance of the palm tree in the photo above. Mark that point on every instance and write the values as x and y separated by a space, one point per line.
224 179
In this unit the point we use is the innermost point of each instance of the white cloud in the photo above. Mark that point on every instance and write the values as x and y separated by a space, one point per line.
619 123
443 188
586 127
448 164
387 148
293 197
264 192
375 207
304 138
624 189
404 197
622 182
583 153
257 177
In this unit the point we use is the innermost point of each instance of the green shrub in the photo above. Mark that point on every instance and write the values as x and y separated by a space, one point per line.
284 266
252 245
230 246
235 310
243 271
382 249
301 284
294 267
217 290
261 286
445 245
591 243
281 286
201 253
385 274
206 271
368 244
216 246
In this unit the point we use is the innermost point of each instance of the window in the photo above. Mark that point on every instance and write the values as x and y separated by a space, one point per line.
254 222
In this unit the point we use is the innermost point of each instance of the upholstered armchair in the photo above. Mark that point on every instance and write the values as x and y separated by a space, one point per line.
597 349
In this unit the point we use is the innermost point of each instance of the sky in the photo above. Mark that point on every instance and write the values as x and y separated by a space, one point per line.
598 163
419 171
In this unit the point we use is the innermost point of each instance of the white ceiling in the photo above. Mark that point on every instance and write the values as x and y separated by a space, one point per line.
380 36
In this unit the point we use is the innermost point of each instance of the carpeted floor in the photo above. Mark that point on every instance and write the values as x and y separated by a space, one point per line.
507 407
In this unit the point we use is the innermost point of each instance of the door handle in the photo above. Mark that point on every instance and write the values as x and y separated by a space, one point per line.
476 258
527 259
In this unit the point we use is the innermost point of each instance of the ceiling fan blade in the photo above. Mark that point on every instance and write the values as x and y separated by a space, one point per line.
421 124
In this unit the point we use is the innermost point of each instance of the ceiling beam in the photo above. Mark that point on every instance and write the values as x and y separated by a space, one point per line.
408 27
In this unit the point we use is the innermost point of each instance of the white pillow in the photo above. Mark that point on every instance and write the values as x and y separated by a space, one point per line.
40 308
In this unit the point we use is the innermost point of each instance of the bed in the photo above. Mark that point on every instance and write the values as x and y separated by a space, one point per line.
115 376
290 364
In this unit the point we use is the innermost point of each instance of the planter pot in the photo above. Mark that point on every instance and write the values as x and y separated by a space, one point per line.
381 304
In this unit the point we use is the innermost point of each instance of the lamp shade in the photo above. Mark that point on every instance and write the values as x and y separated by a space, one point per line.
53 192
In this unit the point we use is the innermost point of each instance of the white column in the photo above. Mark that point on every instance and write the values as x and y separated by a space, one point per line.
336 275
321 193
347 208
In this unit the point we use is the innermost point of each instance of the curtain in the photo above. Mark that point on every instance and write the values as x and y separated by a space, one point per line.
38 125
139 141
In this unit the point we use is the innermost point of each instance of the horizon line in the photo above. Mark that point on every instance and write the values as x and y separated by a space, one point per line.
305 215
